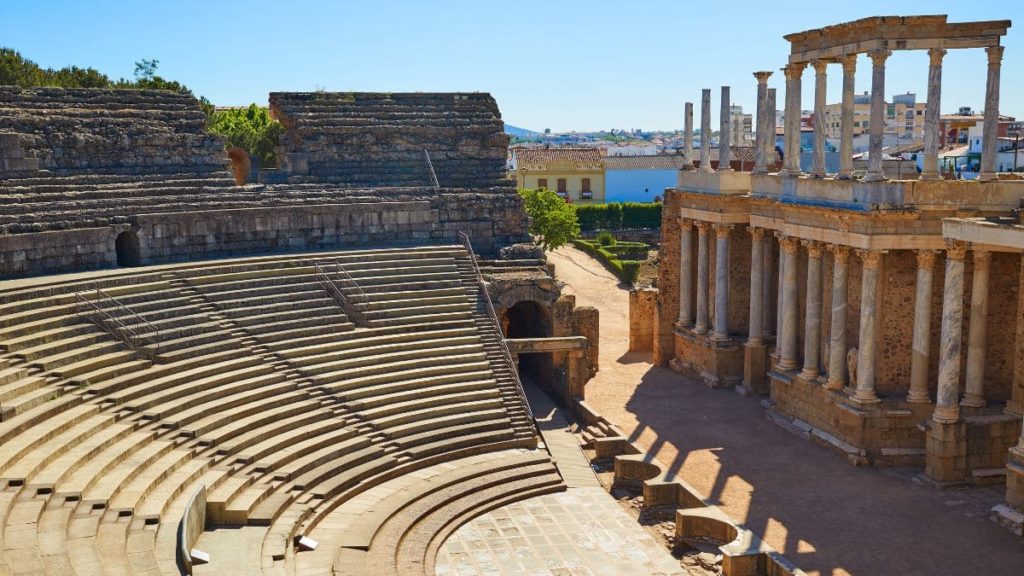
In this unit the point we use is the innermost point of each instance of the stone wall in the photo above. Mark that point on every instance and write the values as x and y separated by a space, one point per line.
667 309
642 302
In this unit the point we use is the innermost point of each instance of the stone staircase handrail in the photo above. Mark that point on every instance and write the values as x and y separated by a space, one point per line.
113 325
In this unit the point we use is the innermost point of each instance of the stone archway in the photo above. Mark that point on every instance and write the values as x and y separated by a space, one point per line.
129 252
529 319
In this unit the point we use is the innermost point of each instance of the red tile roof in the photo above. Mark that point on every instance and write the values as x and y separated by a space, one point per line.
540 155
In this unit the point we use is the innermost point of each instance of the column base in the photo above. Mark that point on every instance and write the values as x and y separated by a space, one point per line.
719 337
698 329
926 176
787 173
946 414
918 399
874 177
844 176
725 170
973 401
987 176
834 386
809 375
865 398
682 326
708 170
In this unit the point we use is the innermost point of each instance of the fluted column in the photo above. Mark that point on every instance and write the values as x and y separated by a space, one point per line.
812 312
867 344
947 410
792 119
877 126
769 144
705 131
755 331
849 63
763 132
922 328
768 314
721 332
688 136
725 133
932 126
990 132
974 384
837 331
788 359
685 273
702 277
820 88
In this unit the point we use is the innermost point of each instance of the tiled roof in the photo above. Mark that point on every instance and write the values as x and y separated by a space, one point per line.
539 155
658 162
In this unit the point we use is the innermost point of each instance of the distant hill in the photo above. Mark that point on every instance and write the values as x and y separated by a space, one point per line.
520 132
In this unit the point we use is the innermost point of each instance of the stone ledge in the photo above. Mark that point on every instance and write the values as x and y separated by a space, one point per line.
1009 518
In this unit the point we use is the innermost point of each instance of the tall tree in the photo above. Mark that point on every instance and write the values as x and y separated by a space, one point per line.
553 221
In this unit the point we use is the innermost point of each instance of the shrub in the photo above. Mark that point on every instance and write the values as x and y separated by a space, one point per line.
617 216
605 238
627 270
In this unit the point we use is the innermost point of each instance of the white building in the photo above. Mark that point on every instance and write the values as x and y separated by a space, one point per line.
742 126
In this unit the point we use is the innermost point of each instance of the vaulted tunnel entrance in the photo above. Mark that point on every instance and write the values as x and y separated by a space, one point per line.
128 251
528 319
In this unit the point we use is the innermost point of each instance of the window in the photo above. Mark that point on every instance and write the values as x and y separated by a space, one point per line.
561 186
542 183
586 184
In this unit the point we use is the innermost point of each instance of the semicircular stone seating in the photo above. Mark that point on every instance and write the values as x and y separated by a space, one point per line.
365 406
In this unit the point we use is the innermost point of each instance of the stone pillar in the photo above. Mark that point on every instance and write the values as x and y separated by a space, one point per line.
812 312
867 344
820 88
877 126
947 410
721 332
788 359
685 273
755 331
705 131
922 328
991 126
769 144
837 331
688 136
725 133
765 130
702 278
849 63
792 119
767 324
974 385
780 294
932 125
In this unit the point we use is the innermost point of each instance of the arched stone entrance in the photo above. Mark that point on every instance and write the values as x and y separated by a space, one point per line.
528 319
129 253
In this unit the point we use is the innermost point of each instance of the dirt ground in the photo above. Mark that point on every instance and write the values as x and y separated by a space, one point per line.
827 516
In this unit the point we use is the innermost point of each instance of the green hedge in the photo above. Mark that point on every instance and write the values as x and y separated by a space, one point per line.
619 215
626 270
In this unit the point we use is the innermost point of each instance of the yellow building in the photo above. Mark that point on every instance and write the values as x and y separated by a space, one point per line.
576 174
904 117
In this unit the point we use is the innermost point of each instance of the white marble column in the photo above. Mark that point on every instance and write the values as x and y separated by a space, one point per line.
837 330
763 131
721 328
725 133
755 330
921 353
812 312
990 132
688 136
867 344
877 125
793 72
705 131
769 145
974 383
685 273
849 63
702 277
820 88
947 410
788 357
932 125
768 314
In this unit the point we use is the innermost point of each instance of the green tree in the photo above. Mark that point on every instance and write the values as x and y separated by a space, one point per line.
249 128
552 220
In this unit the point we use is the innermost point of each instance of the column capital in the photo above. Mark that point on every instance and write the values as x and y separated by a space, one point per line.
995 55
956 249
849 62
722 230
821 65
762 76
935 56
871 259
789 244
685 223
981 257
926 259
814 249
878 57
756 233
795 70
702 226
840 253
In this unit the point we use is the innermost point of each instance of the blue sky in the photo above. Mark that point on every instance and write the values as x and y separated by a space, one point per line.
583 65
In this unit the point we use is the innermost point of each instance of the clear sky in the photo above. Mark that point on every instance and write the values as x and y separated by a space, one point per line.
563 65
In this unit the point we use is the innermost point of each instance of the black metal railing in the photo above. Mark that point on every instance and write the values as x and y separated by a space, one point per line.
97 311
329 275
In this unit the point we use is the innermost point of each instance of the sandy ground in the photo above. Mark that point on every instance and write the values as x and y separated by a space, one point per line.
828 516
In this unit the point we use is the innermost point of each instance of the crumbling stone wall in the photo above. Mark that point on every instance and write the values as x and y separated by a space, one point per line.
642 302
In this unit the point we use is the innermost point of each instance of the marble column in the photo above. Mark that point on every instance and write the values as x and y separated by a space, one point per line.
877 122
793 72
812 312
921 352
820 88
721 328
685 273
688 136
849 63
755 330
702 277
788 358
932 125
837 331
947 410
867 344
990 132
705 131
769 144
725 133
780 293
974 384
763 132
767 322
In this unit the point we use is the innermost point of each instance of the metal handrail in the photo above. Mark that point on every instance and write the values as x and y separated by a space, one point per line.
433 174
348 304
464 238
114 325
